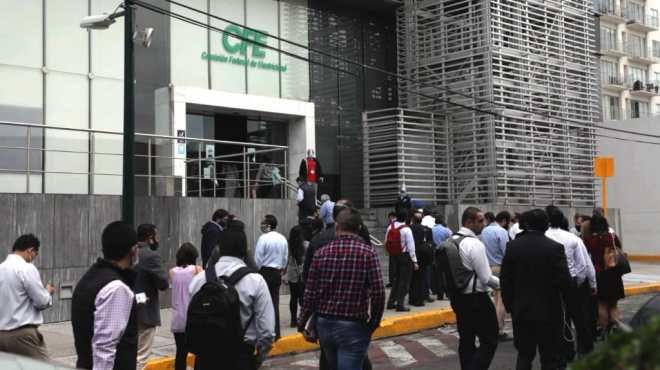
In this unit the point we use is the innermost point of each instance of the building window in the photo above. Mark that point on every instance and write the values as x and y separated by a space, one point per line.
653 18
636 46
607 39
638 109
610 73
635 11
637 77
610 108
657 109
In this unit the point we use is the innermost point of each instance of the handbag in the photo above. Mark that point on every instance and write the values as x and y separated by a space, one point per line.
614 258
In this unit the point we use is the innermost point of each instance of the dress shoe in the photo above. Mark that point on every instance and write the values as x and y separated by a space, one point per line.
391 306
503 337
417 304
402 309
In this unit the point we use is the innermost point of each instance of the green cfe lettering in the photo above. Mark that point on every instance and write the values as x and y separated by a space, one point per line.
240 46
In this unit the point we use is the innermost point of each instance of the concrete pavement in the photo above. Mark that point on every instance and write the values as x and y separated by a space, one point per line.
59 336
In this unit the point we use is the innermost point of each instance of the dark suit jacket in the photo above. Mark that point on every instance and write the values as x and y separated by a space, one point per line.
151 277
534 274
210 237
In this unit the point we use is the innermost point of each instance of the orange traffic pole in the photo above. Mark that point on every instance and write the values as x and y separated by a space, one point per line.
604 193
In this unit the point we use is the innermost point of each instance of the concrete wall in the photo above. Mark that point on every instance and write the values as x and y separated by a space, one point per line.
70 226
635 187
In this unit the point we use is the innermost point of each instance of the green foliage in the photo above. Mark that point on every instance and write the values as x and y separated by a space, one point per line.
638 350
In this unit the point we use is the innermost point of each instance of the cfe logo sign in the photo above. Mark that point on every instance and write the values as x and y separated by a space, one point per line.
247 49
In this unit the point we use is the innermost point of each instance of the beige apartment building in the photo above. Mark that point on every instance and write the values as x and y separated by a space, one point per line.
630 58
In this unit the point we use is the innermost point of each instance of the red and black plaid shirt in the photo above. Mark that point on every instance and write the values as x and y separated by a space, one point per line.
344 277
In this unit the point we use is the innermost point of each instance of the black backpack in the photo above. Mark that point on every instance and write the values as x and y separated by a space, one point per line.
456 276
214 318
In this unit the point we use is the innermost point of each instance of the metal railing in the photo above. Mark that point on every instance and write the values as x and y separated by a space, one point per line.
608 9
652 87
636 16
166 165
608 79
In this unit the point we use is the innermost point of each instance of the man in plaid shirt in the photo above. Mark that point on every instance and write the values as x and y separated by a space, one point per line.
345 291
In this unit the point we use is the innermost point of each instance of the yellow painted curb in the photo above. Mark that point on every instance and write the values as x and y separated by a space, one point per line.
642 289
643 258
389 327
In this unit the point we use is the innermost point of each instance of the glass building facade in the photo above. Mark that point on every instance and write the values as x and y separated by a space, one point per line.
56 74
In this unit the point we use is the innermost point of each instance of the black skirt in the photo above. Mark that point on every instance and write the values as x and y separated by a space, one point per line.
610 286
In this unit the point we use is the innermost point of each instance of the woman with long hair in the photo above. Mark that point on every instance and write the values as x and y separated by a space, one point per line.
601 242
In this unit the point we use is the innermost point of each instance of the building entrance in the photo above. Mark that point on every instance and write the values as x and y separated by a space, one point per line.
229 169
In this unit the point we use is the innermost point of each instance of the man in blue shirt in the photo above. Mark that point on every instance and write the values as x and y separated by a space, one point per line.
327 205
440 233
495 237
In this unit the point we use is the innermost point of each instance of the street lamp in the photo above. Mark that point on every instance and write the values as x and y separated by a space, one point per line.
101 22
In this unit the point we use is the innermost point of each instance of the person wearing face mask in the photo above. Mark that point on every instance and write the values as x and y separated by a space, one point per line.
151 277
103 308
23 299
211 233
271 256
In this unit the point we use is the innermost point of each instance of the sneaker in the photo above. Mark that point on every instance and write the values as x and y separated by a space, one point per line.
429 299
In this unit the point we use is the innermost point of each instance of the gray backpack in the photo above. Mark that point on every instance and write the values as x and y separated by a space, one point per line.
456 276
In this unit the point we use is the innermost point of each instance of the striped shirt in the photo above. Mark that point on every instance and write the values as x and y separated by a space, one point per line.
345 281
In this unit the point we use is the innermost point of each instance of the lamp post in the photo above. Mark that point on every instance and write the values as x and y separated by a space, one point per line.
102 22
128 183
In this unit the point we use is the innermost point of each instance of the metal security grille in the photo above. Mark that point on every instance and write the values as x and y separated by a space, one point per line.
532 64
405 147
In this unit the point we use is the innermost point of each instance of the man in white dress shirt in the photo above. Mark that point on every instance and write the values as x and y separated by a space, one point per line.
583 282
23 298
272 256
475 312
404 264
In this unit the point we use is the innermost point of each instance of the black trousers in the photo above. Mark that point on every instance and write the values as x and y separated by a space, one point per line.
181 352
418 287
391 270
297 291
437 281
532 335
475 318
273 279
578 311
403 268
245 360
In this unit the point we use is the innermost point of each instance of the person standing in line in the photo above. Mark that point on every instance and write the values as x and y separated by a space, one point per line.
326 211
582 284
272 257
151 277
428 220
423 238
211 233
475 312
306 199
599 241
294 270
345 291
405 263
515 228
576 229
495 237
403 202
103 308
256 311
180 277
440 233
535 278
23 298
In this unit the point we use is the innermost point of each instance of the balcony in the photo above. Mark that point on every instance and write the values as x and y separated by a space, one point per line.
639 55
609 13
613 49
641 89
641 23
613 83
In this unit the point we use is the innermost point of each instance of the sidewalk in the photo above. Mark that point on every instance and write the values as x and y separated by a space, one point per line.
59 337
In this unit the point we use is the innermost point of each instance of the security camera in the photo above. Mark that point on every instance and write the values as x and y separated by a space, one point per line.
97 22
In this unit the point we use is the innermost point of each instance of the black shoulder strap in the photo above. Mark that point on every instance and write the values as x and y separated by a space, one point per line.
210 273
238 275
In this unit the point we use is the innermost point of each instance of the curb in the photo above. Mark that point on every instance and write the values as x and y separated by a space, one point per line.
389 327
643 258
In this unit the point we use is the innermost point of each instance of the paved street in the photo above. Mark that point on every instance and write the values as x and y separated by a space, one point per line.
430 349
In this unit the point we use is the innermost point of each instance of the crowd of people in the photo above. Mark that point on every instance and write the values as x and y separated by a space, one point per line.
552 281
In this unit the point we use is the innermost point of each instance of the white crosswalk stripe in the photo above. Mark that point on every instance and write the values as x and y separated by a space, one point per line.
312 362
436 347
397 354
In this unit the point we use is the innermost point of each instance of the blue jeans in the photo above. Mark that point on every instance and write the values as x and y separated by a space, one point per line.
345 343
